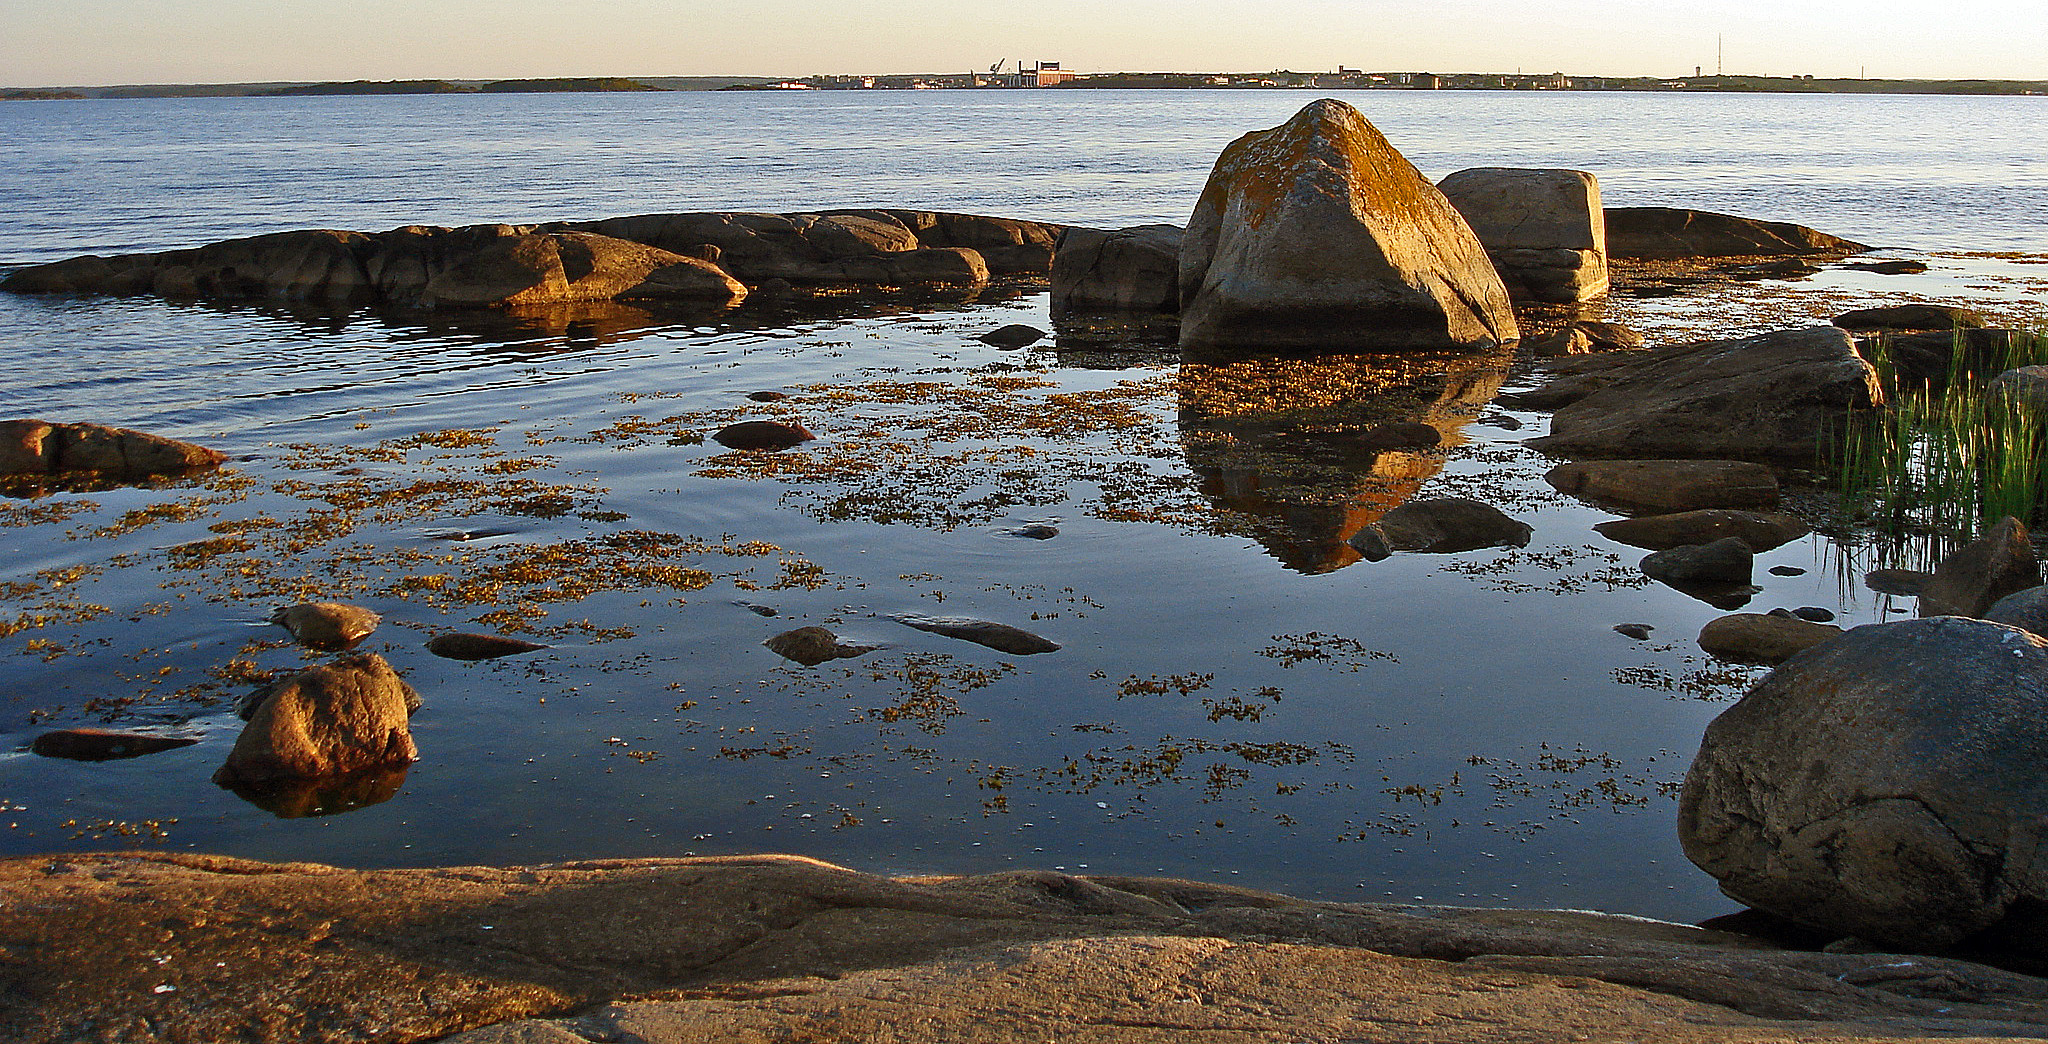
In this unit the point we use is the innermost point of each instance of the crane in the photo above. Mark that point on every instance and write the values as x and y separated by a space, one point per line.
997 67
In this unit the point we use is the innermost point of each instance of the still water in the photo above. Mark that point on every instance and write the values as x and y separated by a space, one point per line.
1237 697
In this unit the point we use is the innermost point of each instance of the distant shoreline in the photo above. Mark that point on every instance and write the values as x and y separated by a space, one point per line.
1282 80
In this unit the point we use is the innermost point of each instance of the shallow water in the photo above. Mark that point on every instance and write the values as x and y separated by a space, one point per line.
1235 697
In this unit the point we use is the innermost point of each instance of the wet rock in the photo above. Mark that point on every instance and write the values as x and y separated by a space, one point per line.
1543 229
1097 272
1978 574
1667 232
2026 610
1761 530
479 646
812 646
1033 531
1673 485
1781 570
1912 317
1885 784
1889 267
884 247
757 609
1015 335
1569 341
326 626
762 435
34 447
1774 396
1440 526
1762 637
1318 235
1725 561
331 720
1640 632
1586 337
1897 582
767 396
104 744
998 636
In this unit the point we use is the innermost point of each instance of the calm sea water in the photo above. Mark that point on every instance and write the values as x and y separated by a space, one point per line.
1227 704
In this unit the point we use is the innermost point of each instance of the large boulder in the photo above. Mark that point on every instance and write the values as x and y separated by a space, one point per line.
1544 229
1670 485
31 447
1776 396
1975 576
338 718
1127 270
1318 235
1671 233
1885 784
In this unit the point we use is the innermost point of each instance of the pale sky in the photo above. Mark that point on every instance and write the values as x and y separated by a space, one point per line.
104 42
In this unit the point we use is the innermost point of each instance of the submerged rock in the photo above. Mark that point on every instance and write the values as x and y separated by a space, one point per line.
1763 637
1543 229
326 626
998 636
762 435
1975 576
1761 530
35 447
1318 235
104 744
330 720
1440 526
1667 232
1674 485
1885 784
479 646
812 646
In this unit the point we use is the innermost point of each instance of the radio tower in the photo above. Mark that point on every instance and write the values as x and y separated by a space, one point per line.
1718 40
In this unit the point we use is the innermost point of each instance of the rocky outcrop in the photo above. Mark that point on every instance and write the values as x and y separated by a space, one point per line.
1921 316
1776 396
1670 485
326 625
785 948
882 247
1762 637
1001 637
1760 530
1317 235
1931 358
1440 526
1544 229
1668 233
30 448
1885 784
1097 272
1975 576
331 720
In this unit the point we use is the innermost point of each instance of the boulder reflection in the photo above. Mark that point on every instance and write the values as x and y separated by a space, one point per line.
333 795
1300 453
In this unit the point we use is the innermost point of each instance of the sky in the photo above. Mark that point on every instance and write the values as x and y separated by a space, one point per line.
107 42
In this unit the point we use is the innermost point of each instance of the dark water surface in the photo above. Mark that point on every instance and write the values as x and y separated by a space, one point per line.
1236 697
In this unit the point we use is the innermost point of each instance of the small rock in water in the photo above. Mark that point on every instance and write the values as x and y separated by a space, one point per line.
479 646
762 435
1768 638
1814 613
330 720
326 626
998 636
812 646
1900 582
1034 531
757 609
1640 632
469 534
1015 335
767 396
1725 561
104 744
1890 267
1501 421
1787 571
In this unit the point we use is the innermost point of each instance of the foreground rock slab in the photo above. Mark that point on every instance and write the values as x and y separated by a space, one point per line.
148 947
31 447
1317 235
1884 784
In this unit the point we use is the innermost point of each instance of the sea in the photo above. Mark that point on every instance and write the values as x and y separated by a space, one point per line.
1236 697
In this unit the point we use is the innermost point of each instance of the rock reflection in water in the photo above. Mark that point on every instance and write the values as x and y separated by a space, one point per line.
333 795
1291 448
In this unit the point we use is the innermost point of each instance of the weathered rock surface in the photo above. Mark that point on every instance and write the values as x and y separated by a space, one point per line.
2026 610
1440 526
331 720
1912 317
35 447
998 636
1761 530
1110 272
104 744
1774 396
1725 561
1666 232
1885 784
1544 229
479 646
1672 485
1318 235
812 646
326 625
785 948
1762 637
1975 576
763 435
